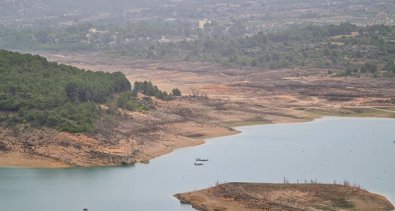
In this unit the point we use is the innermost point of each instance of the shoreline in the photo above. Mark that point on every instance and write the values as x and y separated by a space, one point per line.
35 162
255 97
20 160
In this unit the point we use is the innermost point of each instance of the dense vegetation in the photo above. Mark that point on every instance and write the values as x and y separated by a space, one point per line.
149 89
131 101
33 90
42 93
364 50
355 50
86 36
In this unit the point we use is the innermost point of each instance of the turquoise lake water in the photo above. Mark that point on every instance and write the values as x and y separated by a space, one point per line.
359 150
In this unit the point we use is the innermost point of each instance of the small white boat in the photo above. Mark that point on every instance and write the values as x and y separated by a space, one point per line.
201 160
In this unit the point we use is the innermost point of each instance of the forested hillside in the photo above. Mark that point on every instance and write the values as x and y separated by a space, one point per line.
42 93
351 49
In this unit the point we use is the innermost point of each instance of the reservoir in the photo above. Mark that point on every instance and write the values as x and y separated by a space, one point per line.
359 150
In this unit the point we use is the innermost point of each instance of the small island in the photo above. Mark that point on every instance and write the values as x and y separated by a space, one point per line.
284 197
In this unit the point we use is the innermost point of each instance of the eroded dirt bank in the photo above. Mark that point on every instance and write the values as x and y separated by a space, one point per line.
215 99
284 197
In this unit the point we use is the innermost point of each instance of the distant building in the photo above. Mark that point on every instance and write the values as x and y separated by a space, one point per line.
354 34
164 40
203 23
92 30
95 31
